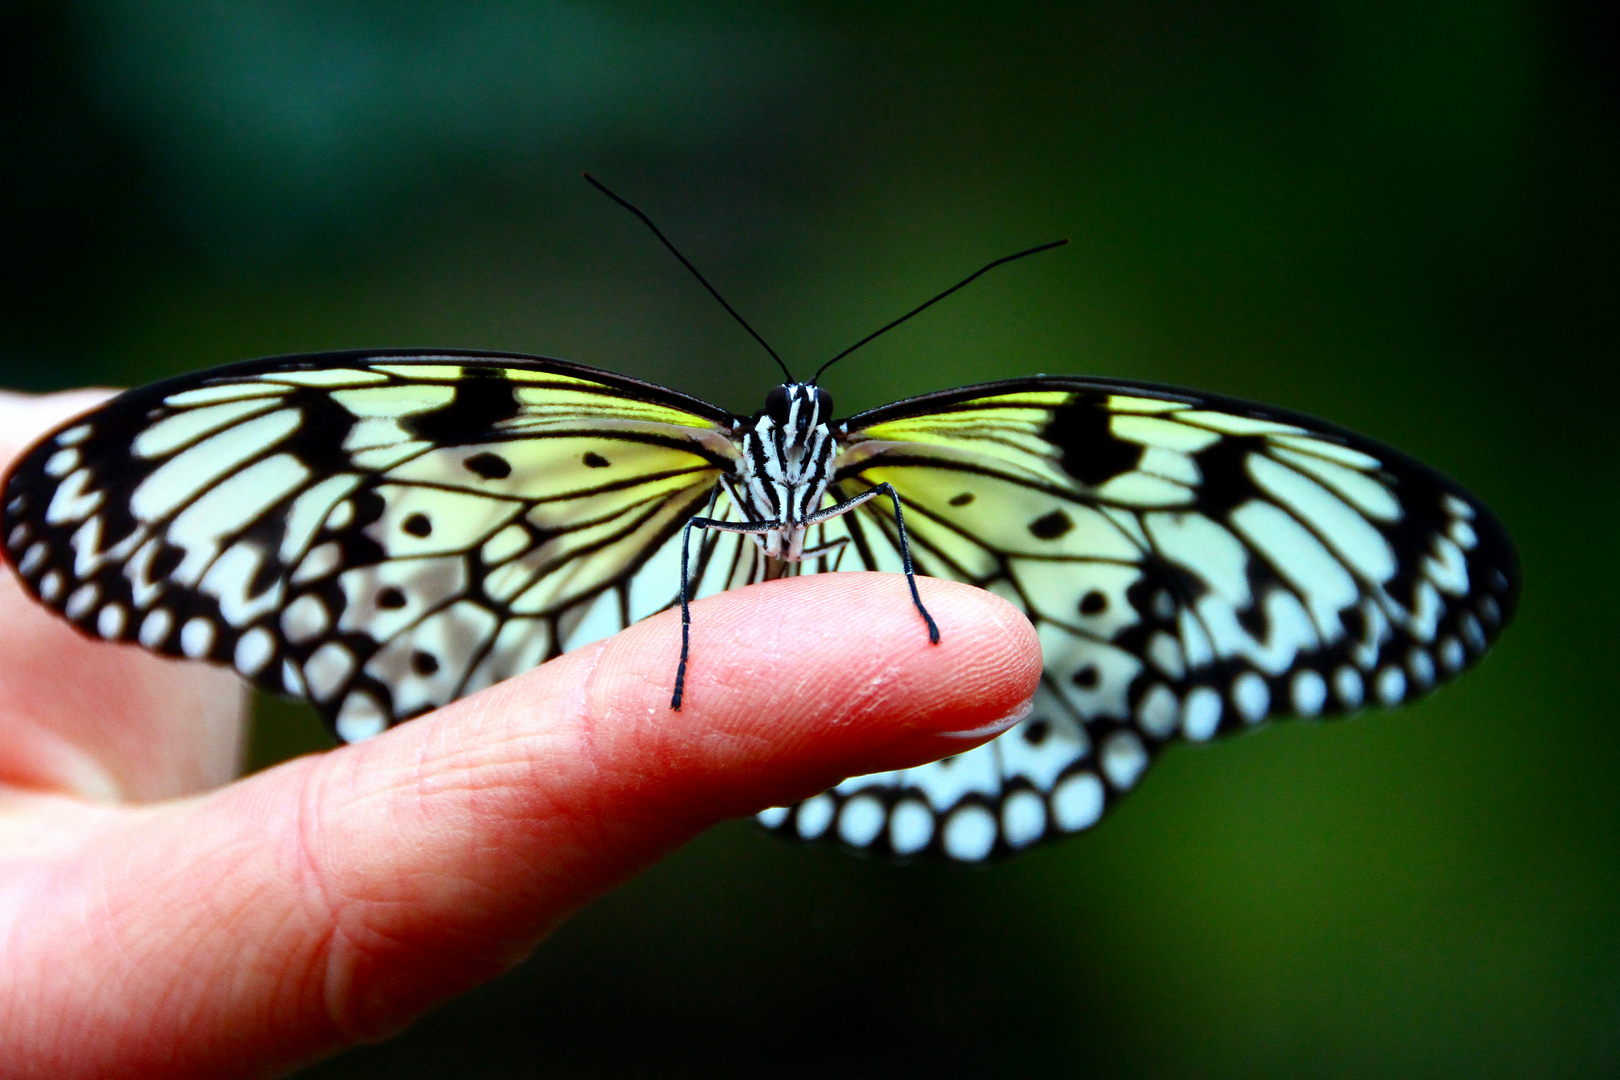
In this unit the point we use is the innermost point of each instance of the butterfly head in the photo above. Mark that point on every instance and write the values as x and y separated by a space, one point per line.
797 409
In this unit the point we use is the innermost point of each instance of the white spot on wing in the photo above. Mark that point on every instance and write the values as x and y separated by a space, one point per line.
110 621
1202 714
860 820
970 833
1158 712
155 627
1421 667
1123 759
1023 818
62 462
197 637
655 585
1138 488
254 650
1078 802
1391 685
360 718
303 619
32 558
71 501
81 600
773 816
1165 652
327 669
1348 686
1251 696
1308 692
911 827
814 817
1290 631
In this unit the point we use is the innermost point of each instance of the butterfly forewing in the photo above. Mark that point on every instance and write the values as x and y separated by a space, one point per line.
378 533
1193 565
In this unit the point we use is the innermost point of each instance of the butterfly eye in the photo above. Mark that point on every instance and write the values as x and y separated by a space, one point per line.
777 403
824 405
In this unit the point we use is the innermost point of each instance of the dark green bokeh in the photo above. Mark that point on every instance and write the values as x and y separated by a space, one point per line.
1399 216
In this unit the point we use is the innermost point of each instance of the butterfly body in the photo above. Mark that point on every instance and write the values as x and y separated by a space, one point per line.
382 533
785 464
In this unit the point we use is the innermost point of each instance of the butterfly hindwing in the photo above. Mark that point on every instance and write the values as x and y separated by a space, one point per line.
1193 565
378 533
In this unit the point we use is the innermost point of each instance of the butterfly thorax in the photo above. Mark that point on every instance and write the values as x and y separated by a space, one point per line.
786 464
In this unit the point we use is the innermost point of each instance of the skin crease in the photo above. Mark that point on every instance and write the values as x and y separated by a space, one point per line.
159 920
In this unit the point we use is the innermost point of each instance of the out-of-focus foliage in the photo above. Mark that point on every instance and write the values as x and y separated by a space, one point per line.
1398 216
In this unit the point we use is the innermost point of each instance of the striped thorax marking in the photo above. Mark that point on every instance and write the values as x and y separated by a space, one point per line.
786 465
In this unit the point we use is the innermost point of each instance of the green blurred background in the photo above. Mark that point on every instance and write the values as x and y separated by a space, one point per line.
1396 215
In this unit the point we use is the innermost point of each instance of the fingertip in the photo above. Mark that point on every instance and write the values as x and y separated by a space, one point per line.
824 672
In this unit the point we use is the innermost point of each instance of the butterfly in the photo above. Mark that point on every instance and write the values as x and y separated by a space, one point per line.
384 533
381 533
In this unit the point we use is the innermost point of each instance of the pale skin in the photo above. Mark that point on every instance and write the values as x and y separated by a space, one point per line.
158 918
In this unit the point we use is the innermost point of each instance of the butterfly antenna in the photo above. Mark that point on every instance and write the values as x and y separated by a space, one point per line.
647 221
925 306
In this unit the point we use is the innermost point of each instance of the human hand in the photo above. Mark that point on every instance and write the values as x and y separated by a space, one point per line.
153 922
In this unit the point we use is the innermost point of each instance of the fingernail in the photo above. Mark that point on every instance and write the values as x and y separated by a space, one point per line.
994 727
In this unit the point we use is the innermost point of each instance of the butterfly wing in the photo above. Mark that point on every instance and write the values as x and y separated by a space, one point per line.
380 534
1193 565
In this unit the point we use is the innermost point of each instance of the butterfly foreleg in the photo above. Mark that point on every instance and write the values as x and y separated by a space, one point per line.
905 546
752 527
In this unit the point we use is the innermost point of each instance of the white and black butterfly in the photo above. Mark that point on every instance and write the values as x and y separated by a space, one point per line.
382 533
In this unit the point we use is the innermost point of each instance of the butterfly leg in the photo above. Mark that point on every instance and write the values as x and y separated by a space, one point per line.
905 547
823 549
686 609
